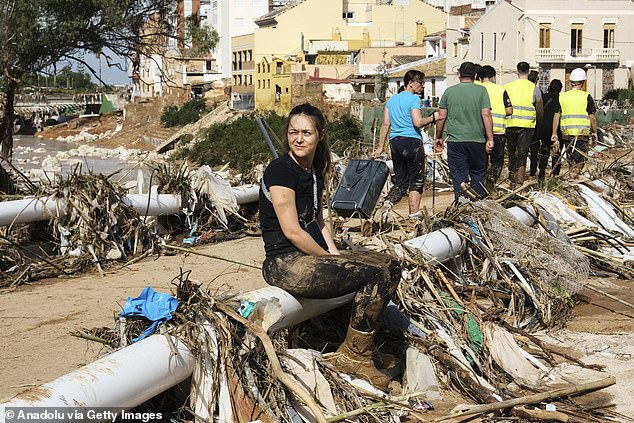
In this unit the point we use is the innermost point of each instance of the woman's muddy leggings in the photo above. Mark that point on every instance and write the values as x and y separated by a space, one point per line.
373 275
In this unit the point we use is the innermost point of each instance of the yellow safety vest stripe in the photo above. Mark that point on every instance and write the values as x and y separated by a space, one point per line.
574 114
498 111
521 93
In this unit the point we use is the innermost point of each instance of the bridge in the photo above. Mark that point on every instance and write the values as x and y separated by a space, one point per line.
29 105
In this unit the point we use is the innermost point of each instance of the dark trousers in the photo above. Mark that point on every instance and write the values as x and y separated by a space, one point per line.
578 149
545 153
518 141
467 162
408 158
533 150
375 277
496 157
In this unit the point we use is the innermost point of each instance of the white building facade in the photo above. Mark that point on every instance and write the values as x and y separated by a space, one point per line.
554 37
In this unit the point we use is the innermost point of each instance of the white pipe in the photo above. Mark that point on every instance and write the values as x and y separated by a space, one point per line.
522 215
445 244
291 310
134 374
440 245
246 193
159 204
31 210
123 379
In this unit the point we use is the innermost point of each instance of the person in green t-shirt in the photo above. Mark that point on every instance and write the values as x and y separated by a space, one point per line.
466 110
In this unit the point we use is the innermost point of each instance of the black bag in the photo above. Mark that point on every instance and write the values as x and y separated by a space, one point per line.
360 187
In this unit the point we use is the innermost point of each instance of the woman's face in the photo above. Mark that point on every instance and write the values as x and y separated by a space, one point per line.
417 85
303 137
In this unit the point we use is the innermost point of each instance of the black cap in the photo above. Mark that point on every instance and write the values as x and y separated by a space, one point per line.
467 69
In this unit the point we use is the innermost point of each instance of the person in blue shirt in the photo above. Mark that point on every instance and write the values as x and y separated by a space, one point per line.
402 123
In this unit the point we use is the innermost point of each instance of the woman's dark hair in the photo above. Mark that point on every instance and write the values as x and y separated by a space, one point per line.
486 71
413 75
533 76
555 86
323 159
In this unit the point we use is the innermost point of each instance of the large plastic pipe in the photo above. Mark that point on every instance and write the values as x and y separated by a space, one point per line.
246 193
291 309
134 374
123 379
445 244
31 210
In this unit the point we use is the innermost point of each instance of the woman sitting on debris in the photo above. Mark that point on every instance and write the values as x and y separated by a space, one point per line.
301 256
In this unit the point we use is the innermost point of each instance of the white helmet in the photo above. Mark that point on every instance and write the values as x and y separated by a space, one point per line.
577 75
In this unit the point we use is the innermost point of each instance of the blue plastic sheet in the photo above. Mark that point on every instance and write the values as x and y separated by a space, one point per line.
155 306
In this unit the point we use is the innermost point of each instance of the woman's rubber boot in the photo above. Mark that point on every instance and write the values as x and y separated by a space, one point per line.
520 176
354 356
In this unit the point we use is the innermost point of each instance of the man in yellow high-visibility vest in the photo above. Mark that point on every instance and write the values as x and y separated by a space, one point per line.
501 107
527 110
578 122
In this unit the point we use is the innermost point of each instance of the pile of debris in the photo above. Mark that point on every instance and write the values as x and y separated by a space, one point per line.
94 222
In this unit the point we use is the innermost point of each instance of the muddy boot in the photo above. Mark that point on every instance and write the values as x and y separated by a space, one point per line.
512 178
354 357
489 186
521 173
384 360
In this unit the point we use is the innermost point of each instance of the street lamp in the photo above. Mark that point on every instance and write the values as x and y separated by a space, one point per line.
594 87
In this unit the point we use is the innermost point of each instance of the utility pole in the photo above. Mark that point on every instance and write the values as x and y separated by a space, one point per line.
594 87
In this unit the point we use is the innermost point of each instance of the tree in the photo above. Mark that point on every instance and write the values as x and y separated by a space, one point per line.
66 78
201 37
35 35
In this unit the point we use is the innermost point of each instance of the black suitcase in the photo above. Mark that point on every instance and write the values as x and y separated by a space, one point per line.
360 188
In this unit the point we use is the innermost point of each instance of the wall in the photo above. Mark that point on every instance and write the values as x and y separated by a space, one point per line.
285 38
232 19
503 21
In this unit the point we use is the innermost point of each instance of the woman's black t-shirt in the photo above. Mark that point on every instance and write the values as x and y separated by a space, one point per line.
285 172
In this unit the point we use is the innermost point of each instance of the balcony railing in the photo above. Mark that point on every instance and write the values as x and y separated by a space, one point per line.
571 55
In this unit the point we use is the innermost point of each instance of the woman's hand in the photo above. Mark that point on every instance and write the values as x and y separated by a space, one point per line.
332 247
554 139
438 145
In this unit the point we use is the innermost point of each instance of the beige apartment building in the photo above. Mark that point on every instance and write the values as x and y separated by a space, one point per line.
308 31
242 72
553 36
